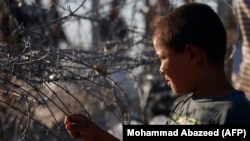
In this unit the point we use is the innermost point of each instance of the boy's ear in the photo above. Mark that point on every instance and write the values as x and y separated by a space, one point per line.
194 53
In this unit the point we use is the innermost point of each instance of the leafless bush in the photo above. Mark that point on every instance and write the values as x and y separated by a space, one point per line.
41 81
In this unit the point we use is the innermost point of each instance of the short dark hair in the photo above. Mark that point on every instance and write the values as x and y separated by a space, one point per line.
197 24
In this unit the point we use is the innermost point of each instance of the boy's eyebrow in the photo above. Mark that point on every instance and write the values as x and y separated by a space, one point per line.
157 55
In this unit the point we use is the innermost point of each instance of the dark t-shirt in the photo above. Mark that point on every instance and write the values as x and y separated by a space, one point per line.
233 108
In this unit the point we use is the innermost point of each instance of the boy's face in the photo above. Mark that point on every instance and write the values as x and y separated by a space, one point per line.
176 68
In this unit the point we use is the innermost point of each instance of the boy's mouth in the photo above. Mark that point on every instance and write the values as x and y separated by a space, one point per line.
167 81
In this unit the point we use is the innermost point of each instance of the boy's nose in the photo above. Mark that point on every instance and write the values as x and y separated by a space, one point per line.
161 70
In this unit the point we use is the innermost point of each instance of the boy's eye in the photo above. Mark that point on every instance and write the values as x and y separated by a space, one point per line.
163 57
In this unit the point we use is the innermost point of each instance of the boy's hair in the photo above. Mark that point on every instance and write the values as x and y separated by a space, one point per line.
196 24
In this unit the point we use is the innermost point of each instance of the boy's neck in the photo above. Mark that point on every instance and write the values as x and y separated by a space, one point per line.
214 84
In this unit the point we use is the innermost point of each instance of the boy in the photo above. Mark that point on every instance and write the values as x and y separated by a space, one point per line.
191 45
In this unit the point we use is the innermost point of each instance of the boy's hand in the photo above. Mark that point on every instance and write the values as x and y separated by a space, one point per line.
69 124
79 126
